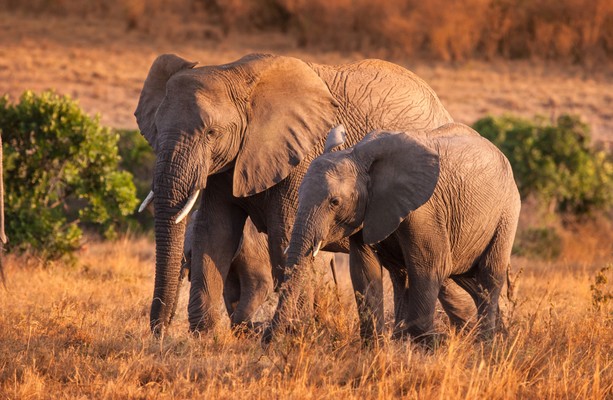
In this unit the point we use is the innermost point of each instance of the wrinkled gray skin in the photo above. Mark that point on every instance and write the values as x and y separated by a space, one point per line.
247 131
442 204
249 281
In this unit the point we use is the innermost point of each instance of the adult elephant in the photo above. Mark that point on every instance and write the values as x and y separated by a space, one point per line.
247 131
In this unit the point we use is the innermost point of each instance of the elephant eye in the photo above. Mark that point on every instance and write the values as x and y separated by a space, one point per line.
210 132
335 201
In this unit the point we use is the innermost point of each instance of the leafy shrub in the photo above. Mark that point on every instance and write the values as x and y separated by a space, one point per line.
60 171
539 243
137 157
554 162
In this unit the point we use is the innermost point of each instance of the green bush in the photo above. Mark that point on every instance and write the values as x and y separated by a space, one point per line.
538 243
554 162
138 158
61 172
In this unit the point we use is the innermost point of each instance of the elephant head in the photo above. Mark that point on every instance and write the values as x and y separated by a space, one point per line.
371 187
259 116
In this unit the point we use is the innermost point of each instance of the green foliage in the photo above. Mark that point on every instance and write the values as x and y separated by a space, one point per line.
554 162
138 158
542 243
60 170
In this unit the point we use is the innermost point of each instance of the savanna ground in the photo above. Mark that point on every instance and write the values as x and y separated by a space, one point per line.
80 330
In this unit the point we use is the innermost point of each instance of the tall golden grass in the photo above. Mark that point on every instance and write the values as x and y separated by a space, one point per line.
81 331
571 30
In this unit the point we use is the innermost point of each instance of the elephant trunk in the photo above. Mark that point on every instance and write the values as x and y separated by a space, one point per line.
168 253
293 295
304 242
174 185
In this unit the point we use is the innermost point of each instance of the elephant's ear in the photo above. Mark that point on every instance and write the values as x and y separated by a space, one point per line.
335 139
290 109
154 91
403 174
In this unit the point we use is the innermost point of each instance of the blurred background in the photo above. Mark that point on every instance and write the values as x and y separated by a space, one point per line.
535 77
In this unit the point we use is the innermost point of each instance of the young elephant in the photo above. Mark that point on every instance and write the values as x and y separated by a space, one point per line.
249 281
441 203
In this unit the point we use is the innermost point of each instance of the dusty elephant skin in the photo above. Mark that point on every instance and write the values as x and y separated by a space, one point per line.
442 204
244 134
249 281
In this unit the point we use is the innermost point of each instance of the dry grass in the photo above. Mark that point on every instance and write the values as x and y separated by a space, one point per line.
82 332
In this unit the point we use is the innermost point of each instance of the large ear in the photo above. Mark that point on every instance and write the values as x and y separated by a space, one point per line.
336 138
290 109
154 90
403 174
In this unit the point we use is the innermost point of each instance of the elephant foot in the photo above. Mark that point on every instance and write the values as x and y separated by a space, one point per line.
247 329
274 329
202 329
429 339
267 337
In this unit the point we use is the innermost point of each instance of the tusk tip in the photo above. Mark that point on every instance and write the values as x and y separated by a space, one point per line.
146 202
317 247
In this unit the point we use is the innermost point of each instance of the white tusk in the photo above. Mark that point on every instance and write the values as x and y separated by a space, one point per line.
146 202
316 249
285 251
188 207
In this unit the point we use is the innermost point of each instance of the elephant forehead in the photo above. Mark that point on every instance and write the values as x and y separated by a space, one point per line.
331 175
331 164
206 85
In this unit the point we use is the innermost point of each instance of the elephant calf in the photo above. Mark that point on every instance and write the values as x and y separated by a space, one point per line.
249 281
443 203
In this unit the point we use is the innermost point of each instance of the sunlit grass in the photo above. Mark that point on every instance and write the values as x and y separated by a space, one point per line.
82 331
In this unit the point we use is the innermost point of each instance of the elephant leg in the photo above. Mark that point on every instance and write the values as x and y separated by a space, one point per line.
219 227
367 280
484 284
458 304
491 276
398 276
427 257
232 289
420 298
254 271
